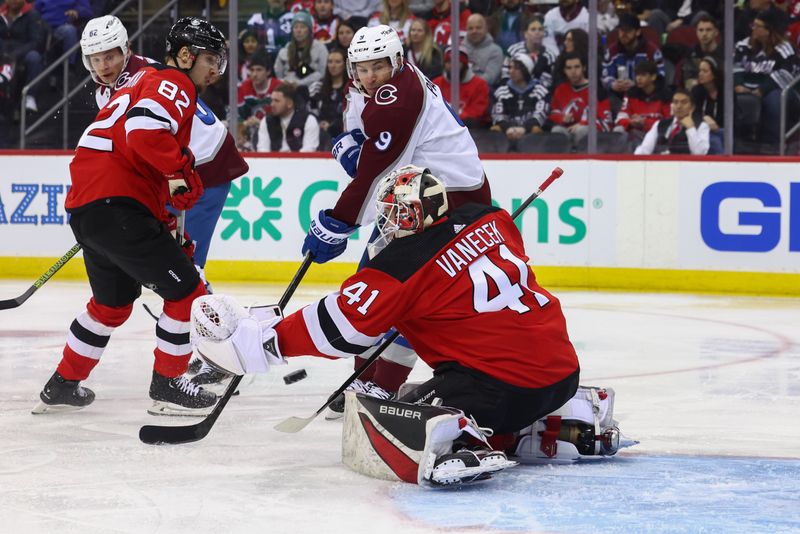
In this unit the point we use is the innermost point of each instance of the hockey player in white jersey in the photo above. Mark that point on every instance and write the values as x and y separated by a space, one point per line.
395 116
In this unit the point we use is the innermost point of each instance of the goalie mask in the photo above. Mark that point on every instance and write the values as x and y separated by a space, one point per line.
409 200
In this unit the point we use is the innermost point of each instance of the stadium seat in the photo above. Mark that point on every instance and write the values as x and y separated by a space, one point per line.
607 143
489 142
684 36
547 143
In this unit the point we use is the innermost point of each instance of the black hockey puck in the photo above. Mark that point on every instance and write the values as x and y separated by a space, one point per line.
295 376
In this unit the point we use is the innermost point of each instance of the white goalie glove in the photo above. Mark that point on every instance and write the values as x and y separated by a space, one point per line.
233 339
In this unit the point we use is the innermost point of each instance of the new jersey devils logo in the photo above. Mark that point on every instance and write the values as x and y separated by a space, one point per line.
387 94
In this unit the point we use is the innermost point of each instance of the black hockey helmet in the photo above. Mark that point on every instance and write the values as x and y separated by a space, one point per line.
197 34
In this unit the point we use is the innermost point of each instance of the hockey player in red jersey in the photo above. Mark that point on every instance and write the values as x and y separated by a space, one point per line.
395 116
434 275
108 57
121 175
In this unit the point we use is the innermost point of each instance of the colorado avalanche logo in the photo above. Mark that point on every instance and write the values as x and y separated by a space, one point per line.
386 95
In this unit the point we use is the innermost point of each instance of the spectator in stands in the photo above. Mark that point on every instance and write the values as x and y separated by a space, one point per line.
255 95
273 26
707 45
248 45
607 18
507 23
567 15
303 60
622 57
6 75
473 93
344 35
645 104
533 45
64 18
395 13
763 65
486 57
521 104
690 12
708 101
577 41
328 96
357 12
22 39
325 21
421 52
570 103
287 128
743 17
439 21
683 133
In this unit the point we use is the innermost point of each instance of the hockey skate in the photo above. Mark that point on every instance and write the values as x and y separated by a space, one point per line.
335 409
194 366
467 466
61 395
209 376
179 396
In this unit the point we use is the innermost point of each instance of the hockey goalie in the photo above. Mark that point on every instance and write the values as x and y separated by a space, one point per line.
455 283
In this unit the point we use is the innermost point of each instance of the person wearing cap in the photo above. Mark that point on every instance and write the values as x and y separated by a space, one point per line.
521 104
763 65
484 54
473 93
255 95
302 61
622 57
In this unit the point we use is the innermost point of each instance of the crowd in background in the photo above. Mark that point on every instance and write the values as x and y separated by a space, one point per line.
523 68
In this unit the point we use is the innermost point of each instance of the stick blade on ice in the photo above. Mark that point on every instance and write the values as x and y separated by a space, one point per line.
173 435
293 425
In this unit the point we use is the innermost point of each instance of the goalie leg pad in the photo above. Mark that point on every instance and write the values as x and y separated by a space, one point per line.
584 428
394 440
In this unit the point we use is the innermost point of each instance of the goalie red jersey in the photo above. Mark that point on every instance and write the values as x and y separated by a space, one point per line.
459 292
136 141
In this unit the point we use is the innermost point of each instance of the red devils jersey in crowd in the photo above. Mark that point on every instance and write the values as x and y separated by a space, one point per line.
409 122
461 291
136 139
217 159
572 102
652 107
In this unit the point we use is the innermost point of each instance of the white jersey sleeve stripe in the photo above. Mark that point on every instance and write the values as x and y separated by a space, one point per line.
344 326
148 107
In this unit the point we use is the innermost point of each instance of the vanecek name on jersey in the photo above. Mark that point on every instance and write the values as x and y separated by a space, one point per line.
478 250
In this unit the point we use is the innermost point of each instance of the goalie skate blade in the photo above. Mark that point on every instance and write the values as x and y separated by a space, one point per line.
293 424
42 408
467 475
168 408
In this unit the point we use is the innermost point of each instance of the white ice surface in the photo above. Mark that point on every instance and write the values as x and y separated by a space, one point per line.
709 384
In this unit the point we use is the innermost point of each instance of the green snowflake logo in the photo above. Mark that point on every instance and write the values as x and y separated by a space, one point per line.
263 203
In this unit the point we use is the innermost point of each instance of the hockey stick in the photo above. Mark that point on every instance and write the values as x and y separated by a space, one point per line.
296 424
13 303
155 434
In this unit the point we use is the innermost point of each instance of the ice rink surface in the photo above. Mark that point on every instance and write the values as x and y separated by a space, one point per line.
710 385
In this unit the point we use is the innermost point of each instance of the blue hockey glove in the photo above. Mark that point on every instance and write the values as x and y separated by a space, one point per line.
327 237
347 148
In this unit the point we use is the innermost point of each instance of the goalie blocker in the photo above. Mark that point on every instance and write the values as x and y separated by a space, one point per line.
421 444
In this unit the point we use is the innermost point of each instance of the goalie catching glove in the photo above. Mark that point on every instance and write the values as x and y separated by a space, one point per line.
232 339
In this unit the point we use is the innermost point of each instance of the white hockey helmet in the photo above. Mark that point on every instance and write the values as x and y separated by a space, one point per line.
374 42
409 200
101 34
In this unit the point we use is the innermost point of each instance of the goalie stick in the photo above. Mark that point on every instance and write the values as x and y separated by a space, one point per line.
156 434
15 302
296 424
